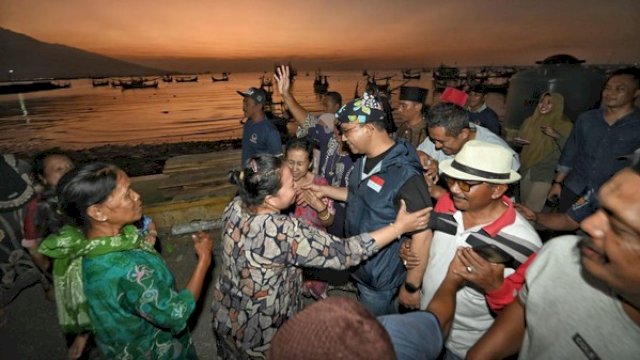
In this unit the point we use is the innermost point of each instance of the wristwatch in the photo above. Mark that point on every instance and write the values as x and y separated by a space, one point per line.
412 288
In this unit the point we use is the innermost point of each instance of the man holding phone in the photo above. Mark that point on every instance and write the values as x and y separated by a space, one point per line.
477 214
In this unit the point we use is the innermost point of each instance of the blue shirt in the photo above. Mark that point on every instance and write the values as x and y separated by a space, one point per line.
586 206
592 153
260 137
486 117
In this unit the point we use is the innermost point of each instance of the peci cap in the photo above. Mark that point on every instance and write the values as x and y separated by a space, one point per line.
362 110
413 93
478 88
258 95
454 96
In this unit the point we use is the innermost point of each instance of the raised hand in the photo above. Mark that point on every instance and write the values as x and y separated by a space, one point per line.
283 81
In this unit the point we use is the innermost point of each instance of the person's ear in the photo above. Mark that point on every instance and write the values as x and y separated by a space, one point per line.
464 134
270 201
95 212
499 190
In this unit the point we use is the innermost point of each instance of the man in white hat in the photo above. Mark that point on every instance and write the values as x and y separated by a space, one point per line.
477 214
582 294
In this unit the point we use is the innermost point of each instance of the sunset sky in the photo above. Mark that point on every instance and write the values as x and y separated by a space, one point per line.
351 33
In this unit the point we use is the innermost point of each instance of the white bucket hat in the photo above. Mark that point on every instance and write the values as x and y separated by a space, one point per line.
481 161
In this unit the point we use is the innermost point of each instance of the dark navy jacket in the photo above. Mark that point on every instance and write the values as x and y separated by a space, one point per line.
371 205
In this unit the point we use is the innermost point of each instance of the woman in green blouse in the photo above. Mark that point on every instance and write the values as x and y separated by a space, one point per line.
109 279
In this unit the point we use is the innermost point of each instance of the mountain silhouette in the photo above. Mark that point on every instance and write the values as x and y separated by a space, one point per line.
23 57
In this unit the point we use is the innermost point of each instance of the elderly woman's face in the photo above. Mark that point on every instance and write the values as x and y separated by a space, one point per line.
298 162
123 206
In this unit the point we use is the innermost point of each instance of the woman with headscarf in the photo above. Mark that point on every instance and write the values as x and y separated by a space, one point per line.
542 135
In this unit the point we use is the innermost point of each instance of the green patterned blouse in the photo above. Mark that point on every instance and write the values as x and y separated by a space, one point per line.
134 308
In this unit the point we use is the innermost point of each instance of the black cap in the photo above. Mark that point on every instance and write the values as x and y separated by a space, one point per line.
413 93
256 94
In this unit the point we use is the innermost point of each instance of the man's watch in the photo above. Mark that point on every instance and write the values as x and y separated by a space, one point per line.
412 288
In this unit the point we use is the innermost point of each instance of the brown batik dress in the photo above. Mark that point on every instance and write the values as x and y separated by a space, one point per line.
260 283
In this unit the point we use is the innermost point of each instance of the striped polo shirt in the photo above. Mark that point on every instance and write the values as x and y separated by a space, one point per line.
510 232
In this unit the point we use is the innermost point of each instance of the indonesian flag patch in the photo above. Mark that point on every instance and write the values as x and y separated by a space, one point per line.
375 182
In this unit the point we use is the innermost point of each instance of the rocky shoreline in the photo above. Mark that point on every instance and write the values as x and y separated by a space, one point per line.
142 159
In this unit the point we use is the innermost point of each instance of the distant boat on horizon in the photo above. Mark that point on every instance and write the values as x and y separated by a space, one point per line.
187 78
225 77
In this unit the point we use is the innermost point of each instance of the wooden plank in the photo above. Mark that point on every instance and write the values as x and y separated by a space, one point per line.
225 159
194 178
202 190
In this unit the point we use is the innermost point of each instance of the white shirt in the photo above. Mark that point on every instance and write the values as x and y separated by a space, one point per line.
472 317
482 134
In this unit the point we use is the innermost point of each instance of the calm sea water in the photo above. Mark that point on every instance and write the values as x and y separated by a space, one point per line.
84 116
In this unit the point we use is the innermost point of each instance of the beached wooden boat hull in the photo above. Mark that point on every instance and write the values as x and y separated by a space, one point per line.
32 87
191 187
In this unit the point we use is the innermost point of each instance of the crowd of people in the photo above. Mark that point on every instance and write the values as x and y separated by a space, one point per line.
442 224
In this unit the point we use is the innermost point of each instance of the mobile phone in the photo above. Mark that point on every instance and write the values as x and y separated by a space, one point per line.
493 254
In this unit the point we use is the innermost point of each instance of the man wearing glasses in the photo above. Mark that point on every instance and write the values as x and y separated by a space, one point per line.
476 214
581 298
388 172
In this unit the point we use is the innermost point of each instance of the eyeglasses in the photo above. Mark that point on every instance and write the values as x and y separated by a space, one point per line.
345 132
464 185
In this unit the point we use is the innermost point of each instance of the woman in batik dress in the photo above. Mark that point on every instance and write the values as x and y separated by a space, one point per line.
260 284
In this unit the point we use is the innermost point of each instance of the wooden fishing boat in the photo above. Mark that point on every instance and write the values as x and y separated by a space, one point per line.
446 76
167 78
24 87
320 84
409 74
138 84
187 78
99 82
225 77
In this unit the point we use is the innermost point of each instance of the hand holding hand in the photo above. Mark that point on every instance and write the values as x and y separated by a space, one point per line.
409 259
316 189
311 199
408 222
